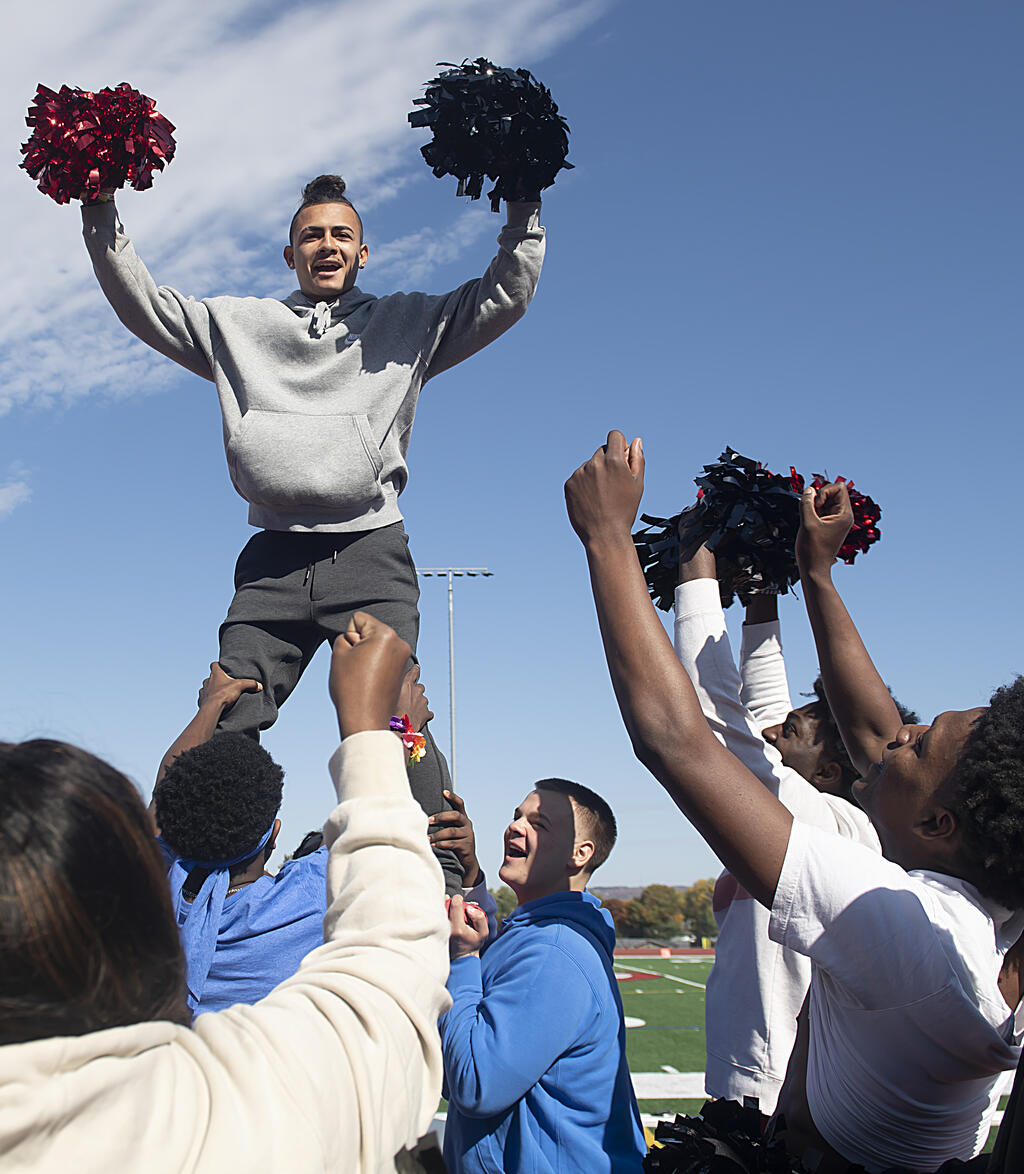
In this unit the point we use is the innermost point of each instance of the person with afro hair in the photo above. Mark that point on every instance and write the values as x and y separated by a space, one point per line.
906 1028
215 805
318 393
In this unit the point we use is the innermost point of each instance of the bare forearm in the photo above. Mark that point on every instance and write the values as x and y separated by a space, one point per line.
863 707
199 730
743 824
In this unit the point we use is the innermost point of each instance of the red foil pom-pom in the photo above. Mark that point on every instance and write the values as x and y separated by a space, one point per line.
83 142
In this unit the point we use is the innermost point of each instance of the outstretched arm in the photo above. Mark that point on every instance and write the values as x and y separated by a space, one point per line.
171 323
765 689
862 705
218 693
478 312
746 826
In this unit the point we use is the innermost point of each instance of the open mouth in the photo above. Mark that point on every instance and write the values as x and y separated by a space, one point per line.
514 852
326 268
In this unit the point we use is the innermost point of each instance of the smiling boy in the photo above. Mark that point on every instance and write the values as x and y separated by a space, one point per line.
318 393
906 1029
534 1045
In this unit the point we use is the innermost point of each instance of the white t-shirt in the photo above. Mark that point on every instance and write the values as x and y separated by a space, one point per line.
756 987
908 1030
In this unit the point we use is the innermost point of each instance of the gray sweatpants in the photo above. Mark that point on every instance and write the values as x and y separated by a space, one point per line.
295 590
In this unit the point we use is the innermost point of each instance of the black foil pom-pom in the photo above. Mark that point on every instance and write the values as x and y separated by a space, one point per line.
493 123
748 517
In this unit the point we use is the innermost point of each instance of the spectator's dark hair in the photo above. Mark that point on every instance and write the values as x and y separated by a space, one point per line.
828 733
593 816
325 189
987 797
311 842
217 799
87 934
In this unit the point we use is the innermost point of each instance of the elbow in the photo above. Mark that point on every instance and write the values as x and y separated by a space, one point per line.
476 1098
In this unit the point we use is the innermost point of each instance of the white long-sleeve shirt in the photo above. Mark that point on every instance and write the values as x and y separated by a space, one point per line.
756 987
336 1069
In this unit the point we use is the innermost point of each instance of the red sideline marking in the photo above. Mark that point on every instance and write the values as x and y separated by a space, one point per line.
633 976
655 952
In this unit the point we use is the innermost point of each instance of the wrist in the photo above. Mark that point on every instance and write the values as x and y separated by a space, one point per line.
362 720
609 543
816 575
471 875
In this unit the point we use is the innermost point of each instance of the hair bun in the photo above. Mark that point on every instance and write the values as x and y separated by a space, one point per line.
325 189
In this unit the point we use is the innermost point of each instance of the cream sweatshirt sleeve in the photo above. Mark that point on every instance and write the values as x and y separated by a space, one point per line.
342 1061
171 323
336 1069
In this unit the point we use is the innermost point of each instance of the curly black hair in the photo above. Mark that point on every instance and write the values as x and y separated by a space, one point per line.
217 799
325 189
828 733
987 796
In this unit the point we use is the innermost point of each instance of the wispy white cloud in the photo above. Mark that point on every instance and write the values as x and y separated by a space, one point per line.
263 96
13 494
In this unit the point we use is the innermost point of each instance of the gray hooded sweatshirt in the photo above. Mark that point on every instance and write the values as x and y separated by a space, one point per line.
318 399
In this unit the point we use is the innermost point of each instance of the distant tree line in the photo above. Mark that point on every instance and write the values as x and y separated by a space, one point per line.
659 912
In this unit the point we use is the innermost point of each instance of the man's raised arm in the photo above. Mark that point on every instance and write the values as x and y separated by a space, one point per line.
863 707
746 826
171 323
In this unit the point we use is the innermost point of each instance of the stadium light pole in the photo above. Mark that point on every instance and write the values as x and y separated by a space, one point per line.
452 573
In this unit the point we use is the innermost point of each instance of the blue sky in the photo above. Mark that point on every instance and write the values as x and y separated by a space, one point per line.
792 228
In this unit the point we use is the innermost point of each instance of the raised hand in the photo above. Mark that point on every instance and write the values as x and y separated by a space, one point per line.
467 928
221 690
454 830
603 495
825 520
367 667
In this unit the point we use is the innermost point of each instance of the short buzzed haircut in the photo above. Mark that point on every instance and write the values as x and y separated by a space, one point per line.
325 189
594 818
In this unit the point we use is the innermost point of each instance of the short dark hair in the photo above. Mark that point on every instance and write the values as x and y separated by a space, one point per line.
217 799
597 822
88 938
828 733
987 797
325 189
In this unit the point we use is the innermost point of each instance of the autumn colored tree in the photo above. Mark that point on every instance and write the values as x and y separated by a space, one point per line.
505 899
656 913
619 910
697 908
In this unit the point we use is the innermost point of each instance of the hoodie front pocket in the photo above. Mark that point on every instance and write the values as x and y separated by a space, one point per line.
287 461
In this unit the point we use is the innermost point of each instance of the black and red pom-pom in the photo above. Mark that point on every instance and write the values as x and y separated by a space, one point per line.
83 142
748 517
496 123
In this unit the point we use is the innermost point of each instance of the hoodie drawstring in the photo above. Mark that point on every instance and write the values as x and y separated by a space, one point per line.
321 319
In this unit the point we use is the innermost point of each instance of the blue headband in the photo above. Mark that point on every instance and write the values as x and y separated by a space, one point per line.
202 918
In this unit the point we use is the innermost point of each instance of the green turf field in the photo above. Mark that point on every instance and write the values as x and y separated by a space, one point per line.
672 1035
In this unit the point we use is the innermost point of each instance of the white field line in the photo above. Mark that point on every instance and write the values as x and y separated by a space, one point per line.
657 974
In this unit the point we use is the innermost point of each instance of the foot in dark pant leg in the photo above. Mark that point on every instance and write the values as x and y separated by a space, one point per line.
275 654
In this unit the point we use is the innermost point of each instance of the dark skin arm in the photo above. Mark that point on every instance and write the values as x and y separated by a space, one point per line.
218 693
745 825
863 707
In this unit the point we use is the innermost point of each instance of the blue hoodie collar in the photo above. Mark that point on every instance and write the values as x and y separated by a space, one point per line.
566 905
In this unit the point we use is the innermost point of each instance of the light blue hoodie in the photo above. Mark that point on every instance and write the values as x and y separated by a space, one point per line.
535 1049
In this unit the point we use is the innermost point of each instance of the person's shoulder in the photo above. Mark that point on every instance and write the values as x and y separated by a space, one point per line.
311 868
